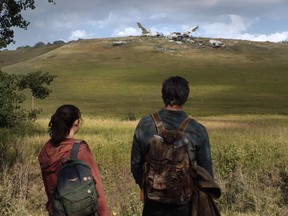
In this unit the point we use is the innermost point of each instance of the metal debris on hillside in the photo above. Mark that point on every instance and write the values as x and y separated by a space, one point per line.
216 43
198 43
119 43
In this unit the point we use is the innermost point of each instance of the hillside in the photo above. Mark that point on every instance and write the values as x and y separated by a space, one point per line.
10 57
241 78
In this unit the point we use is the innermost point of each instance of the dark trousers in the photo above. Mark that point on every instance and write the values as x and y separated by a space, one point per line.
152 208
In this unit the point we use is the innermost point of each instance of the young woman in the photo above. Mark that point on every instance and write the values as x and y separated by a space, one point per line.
64 124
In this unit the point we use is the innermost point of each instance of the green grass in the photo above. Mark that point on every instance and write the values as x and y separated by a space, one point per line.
245 78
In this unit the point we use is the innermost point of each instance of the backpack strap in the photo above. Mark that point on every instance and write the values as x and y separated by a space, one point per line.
75 149
159 125
190 147
160 128
157 120
184 124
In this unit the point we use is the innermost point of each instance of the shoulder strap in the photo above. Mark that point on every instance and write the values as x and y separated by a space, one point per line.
75 149
159 125
184 124
191 147
160 128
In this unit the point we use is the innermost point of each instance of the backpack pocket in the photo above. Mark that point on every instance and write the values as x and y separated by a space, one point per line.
78 201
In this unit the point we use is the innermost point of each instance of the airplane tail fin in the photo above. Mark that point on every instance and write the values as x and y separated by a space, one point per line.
144 31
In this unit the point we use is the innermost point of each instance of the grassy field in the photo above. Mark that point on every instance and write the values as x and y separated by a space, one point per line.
102 79
239 93
250 155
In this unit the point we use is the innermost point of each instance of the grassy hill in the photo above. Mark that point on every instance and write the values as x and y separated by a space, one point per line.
242 78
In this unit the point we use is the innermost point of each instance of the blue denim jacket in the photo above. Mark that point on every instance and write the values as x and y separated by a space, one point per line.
145 129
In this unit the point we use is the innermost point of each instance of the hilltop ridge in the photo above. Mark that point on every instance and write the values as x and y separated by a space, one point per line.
10 57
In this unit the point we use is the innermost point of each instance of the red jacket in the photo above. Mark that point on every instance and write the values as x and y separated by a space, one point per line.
50 162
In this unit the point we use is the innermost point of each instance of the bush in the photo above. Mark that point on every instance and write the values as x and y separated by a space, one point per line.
130 116
39 44
59 42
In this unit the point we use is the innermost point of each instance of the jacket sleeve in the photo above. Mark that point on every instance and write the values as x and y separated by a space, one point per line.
137 158
203 155
86 156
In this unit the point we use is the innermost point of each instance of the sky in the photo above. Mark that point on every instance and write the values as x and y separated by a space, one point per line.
255 20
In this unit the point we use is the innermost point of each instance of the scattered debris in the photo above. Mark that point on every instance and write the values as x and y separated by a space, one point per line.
182 36
216 43
163 49
119 43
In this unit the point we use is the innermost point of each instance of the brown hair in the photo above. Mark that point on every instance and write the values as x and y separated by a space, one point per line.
62 121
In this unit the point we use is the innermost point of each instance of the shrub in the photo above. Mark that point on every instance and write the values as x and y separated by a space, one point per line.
131 116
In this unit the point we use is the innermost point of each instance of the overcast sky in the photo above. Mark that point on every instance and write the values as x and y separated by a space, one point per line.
257 20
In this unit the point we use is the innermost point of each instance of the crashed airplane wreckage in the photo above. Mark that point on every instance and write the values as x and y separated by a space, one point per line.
175 36
149 33
180 36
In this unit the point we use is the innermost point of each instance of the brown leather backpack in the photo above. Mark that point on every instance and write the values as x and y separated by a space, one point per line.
168 166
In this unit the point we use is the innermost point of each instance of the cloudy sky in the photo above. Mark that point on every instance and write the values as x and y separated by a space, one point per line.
257 20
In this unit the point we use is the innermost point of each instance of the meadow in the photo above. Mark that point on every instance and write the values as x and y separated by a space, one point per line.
239 93
249 156
106 80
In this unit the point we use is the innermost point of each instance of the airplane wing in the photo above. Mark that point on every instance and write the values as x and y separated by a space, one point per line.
195 28
192 29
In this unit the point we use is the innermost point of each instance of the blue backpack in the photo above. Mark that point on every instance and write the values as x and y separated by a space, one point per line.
75 193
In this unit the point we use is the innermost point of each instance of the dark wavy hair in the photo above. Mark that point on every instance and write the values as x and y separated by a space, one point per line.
61 122
175 91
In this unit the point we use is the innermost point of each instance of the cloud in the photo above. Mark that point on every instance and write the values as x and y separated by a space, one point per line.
276 37
245 19
234 27
122 32
237 28
158 16
78 34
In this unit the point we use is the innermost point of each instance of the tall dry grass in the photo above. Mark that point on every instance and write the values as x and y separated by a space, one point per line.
250 154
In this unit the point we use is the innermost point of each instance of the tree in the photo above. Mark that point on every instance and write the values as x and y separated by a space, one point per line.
10 16
10 12
39 44
11 95
10 111
35 81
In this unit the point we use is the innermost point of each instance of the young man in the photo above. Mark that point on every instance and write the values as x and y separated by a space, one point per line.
175 91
